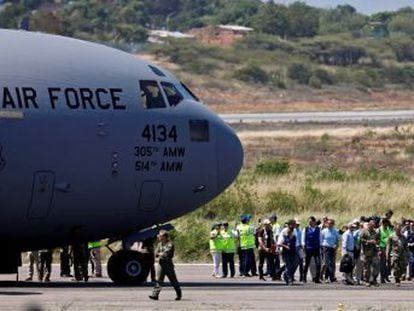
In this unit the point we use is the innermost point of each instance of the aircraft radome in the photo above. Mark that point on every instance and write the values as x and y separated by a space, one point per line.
95 143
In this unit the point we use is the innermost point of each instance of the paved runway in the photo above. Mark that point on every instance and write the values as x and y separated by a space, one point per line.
200 292
321 117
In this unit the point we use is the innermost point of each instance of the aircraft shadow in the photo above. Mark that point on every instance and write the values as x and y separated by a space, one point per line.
19 293
193 285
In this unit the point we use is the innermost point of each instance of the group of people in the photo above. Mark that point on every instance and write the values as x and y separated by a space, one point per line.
78 256
371 248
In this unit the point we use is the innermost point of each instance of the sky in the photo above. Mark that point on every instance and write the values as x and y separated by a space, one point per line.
362 6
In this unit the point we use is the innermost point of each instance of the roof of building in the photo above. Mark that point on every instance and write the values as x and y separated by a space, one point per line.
236 28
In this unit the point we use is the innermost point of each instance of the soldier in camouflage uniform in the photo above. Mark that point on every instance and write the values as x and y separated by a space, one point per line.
369 239
164 254
397 253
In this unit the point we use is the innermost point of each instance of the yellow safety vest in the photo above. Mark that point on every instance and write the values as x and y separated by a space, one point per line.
216 244
229 242
246 236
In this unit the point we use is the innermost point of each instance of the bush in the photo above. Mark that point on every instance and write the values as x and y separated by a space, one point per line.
191 249
362 77
323 76
252 74
312 196
277 80
265 42
282 202
299 72
240 198
315 82
199 66
375 174
403 49
272 167
409 149
330 174
399 75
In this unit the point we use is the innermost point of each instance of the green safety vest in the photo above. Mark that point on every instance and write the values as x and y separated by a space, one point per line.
95 244
246 236
384 235
216 245
229 242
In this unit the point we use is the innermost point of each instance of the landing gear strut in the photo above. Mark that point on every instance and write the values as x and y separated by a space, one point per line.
128 267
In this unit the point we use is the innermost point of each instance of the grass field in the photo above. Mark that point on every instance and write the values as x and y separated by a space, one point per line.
341 171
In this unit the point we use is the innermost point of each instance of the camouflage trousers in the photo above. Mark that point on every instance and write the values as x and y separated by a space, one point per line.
371 268
399 267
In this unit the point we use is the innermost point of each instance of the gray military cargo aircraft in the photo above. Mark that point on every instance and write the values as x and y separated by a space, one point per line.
95 143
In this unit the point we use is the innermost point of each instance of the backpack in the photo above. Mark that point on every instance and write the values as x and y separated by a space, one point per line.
346 265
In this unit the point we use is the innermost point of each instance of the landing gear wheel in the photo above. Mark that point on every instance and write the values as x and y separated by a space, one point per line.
128 267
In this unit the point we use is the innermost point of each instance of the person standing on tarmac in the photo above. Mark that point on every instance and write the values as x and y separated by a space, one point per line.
147 247
311 241
397 248
95 257
164 254
229 248
216 248
266 249
369 242
348 248
385 231
65 262
33 265
45 266
329 243
80 261
299 249
287 241
409 234
276 231
246 235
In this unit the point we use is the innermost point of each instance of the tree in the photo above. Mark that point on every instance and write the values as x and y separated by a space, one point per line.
237 11
403 49
303 20
403 21
343 18
272 19
299 72
46 22
11 15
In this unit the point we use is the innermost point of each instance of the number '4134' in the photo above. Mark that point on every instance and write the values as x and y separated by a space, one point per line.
159 133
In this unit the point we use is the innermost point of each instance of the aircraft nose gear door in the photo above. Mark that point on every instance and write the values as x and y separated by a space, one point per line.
42 195
150 195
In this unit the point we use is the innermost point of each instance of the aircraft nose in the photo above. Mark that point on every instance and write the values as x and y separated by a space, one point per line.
230 157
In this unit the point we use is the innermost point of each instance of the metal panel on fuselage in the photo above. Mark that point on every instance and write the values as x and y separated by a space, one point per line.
91 147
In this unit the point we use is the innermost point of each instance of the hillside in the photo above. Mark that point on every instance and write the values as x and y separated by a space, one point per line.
297 58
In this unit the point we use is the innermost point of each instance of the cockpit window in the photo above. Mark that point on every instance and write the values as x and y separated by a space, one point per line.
190 92
157 71
151 95
199 130
173 95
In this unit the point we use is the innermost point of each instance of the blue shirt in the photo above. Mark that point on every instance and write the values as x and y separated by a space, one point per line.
298 237
329 237
348 242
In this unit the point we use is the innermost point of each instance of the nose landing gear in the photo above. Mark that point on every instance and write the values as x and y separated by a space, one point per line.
127 267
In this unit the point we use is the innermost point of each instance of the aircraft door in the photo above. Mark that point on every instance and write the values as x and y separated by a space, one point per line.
42 195
150 195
